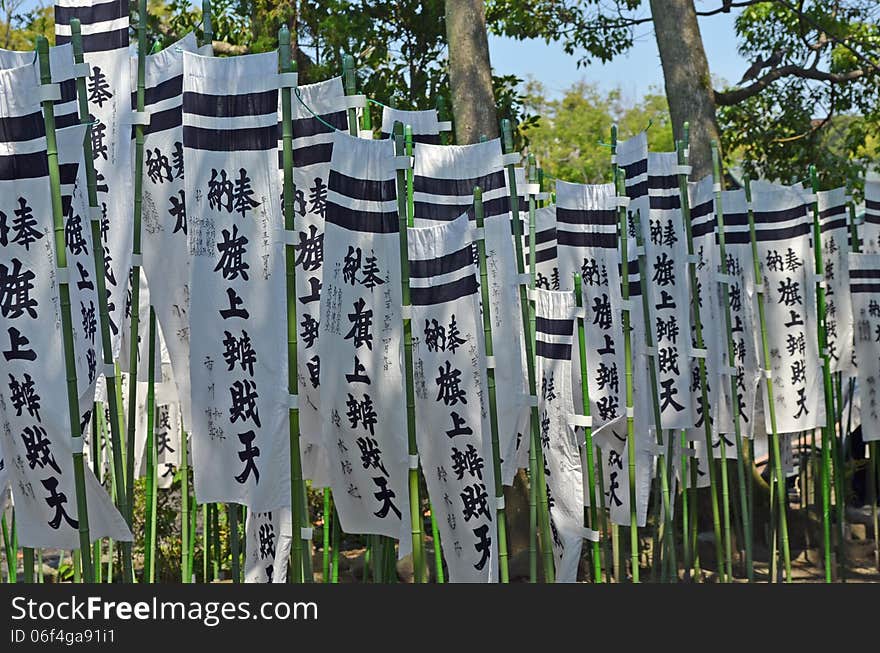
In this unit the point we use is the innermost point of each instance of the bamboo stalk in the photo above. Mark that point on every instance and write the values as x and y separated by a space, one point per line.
301 546
152 456
111 380
186 533
591 512
66 323
28 564
207 27
765 349
234 540
736 408
501 513
96 468
415 507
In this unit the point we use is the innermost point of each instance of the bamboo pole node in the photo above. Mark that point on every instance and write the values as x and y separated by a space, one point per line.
630 412
96 214
768 374
697 352
716 187
293 401
499 502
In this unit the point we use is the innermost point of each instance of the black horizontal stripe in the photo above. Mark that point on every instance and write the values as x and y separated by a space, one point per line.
554 327
586 239
704 227
20 129
422 269
833 210
864 274
67 172
68 91
24 166
362 189
66 120
767 235
637 190
309 155
458 187
633 266
635 288
544 255
98 13
635 168
701 210
163 121
545 236
230 140
662 183
840 223
101 42
768 217
872 218
552 350
305 127
864 287
363 221
427 139
586 217
448 212
874 205
445 292
162 91
665 202
231 106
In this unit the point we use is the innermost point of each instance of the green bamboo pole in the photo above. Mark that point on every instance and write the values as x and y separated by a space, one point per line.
66 323
828 428
136 247
627 354
438 553
193 520
501 513
28 564
668 540
150 487
40 566
415 507
234 540
731 359
301 546
335 542
11 551
722 546
840 485
186 533
325 558
207 25
591 512
217 551
96 468
111 380
543 506
765 349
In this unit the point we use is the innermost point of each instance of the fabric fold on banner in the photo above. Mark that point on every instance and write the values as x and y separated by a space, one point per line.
835 229
554 335
425 124
268 536
361 342
451 398
62 71
864 285
37 443
238 373
105 43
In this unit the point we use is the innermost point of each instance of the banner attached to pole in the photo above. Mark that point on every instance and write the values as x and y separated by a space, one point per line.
834 224
425 124
864 284
268 536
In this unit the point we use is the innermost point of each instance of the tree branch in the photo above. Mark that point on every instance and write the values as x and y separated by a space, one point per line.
726 7
735 96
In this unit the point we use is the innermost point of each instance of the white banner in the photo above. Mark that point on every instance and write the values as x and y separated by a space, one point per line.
361 342
238 369
864 275
834 223
869 230
425 124
267 549
451 397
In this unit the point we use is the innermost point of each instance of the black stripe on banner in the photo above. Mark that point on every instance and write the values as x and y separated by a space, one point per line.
363 221
20 129
635 168
67 173
703 228
362 189
864 274
768 217
635 288
768 235
66 120
231 106
99 13
68 91
874 205
230 140
545 236
309 155
586 217
101 42
545 255
637 190
662 183
445 292
163 91
427 139
458 187
554 350
632 268
840 223
586 239
701 210
24 166
554 327
665 202
872 218
305 127
864 287
834 210
162 121
425 268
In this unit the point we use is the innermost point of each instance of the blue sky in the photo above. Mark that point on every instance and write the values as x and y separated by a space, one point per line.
634 73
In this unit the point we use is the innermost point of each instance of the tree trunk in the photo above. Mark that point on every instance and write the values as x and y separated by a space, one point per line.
688 83
470 74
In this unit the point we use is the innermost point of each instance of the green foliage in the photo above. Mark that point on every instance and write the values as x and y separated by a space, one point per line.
568 137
